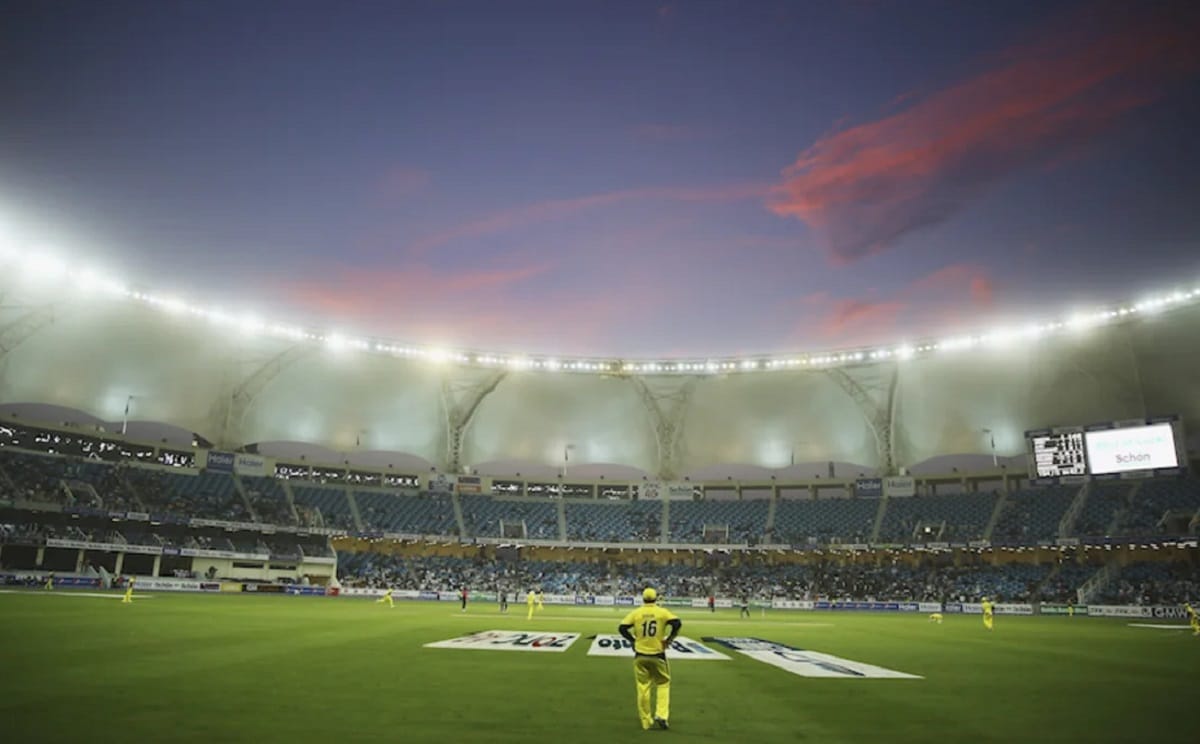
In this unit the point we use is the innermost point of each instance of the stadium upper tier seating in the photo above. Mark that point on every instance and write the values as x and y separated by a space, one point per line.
746 520
614 521
961 516
800 520
1033 514
268 500
1138 508
484 515
320 506
423 514
1154 499
207 495
1105 500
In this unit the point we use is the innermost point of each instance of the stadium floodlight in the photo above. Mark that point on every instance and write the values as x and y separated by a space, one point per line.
90 281
335 342
290 332
43 267
552 365
1081 321
251 325
172 305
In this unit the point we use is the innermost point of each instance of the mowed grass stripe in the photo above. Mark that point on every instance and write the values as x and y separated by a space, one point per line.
295 669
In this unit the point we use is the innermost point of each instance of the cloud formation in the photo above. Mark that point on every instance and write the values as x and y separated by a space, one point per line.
505 308
556 209
401 183
931 300
867 187
664 132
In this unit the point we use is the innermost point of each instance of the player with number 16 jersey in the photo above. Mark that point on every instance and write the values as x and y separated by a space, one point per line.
651 629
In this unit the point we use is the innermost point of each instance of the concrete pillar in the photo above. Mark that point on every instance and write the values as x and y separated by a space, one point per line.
120 564
41 555
79 562
157 565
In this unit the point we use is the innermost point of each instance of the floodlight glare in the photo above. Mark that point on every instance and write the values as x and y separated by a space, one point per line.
41 267
335 342
250 325
172 305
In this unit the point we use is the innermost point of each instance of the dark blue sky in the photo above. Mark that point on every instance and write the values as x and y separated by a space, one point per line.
617 178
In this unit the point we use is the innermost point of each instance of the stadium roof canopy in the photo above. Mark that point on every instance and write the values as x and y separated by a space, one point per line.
75 339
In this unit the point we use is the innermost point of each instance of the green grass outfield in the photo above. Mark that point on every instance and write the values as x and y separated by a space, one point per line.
186 668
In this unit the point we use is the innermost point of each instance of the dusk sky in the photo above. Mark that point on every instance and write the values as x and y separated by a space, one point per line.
616 178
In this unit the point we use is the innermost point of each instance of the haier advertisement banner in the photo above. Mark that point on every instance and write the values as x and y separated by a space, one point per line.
871 488
900 486
669 490
217 462
244 464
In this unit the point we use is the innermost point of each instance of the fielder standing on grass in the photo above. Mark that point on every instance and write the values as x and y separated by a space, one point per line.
651 629
128 598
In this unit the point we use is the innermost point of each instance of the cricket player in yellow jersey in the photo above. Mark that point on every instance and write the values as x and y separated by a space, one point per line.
988 612
1193 618
651 629
50 581
540 606
387 599
530 600
128 598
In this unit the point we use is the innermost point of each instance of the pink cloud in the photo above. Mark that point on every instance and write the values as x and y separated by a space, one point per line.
664 132
557 209
865 188
947 292
496 308
860 317
402 182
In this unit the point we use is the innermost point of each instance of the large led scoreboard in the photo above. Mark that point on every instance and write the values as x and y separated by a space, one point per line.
1138 448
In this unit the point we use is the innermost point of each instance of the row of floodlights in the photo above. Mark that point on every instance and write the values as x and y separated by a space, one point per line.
48 270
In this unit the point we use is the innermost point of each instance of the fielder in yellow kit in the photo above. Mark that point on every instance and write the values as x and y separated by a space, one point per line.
988 612
651 629
530 599
387 599
1193 618
128 598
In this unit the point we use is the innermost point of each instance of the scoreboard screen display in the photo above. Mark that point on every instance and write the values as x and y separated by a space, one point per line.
1059 454
1132 448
